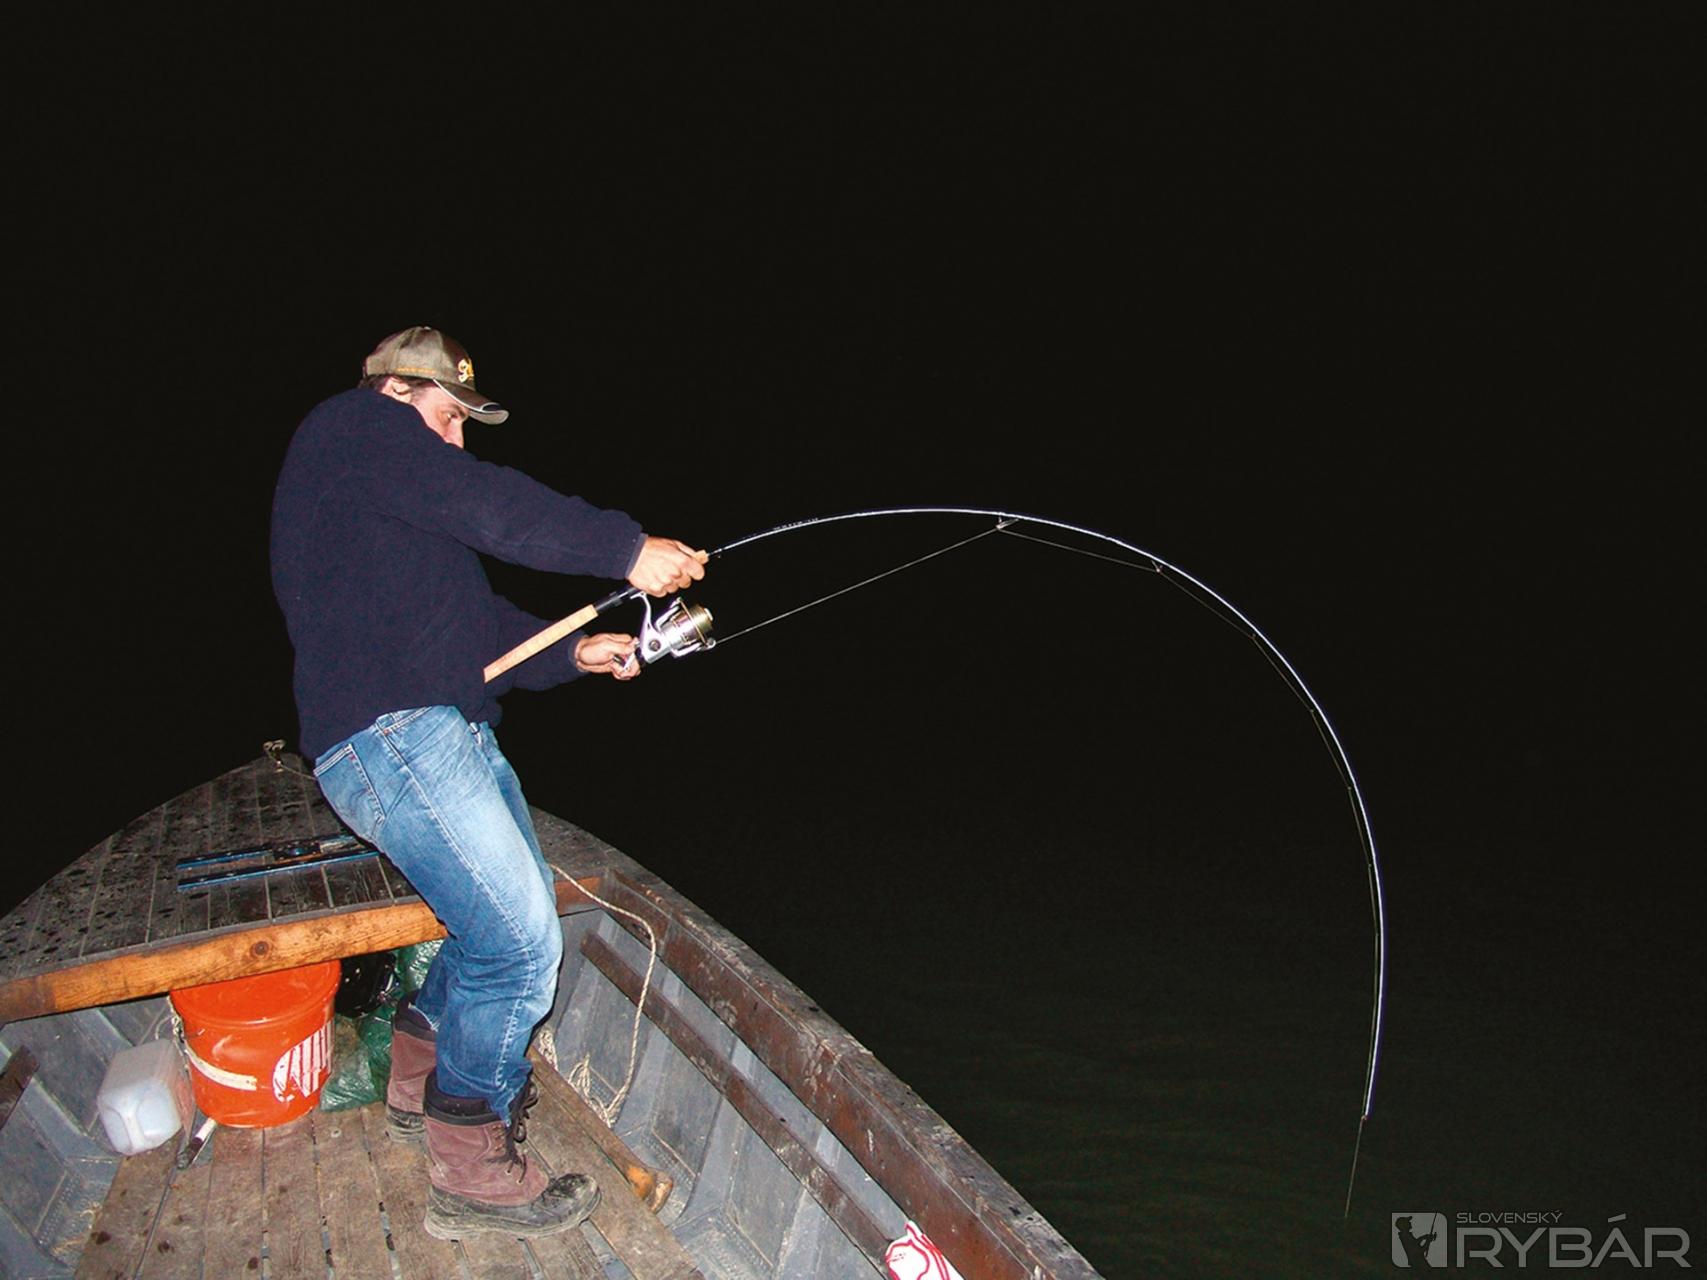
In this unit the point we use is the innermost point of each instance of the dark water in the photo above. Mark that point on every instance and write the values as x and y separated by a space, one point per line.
1109 916
1168 1063
1101 901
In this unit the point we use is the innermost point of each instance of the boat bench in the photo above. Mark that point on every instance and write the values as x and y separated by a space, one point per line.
116 924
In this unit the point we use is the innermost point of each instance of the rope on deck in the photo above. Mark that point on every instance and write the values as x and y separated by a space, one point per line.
580 1076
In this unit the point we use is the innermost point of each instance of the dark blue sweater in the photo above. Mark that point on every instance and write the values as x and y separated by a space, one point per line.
376 528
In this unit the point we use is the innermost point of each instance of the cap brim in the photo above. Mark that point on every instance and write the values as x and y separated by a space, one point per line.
479 408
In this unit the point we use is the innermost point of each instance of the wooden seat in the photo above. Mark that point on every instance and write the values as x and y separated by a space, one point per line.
116 924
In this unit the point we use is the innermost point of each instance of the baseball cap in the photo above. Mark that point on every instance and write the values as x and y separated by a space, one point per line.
423 352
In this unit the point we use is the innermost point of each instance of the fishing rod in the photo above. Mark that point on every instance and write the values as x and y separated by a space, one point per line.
685 629
681 629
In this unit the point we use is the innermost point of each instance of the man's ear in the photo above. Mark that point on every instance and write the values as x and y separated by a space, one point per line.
397 389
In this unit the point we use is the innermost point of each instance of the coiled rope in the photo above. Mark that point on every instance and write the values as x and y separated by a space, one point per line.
580 1076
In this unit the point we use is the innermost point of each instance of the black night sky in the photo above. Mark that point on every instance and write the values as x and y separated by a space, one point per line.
1384 322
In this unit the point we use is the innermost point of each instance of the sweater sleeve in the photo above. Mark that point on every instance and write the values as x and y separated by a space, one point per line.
498 511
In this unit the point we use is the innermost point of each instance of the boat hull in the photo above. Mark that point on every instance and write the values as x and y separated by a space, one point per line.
791 1149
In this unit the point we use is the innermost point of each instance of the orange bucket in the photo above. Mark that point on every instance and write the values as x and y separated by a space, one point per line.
260 1048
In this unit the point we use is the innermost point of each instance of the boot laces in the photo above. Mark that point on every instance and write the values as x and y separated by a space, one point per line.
516 1132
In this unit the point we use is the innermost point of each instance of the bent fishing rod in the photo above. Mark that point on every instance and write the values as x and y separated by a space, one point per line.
685 629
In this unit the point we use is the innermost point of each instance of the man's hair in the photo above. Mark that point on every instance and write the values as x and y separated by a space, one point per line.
374 381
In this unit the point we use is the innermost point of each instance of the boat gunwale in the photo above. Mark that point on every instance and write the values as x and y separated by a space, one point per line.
902 1143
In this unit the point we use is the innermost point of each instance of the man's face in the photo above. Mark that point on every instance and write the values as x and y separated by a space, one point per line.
441 412
438 408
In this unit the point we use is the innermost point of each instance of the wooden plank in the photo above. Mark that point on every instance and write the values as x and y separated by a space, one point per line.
287 812
295 806
120 903
20 1070
121 1231
235 953
235 1208
244 902
184 830
61 916
349 1193
494 1257
360 883
281 806
291 1193
180 1236
297 893
285 1182
652 1186
397 883
244 811
220 812
643 1243
16 930
232 954
402 1173
188 823
565 1256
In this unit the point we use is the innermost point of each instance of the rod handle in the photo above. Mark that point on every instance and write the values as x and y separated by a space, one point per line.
557 630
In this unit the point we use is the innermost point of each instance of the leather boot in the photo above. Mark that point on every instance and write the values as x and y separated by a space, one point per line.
414 1050
481 1182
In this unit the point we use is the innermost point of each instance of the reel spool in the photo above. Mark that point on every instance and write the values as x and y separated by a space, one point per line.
681 629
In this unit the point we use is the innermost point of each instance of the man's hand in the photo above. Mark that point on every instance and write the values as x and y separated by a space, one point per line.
607 654
666 565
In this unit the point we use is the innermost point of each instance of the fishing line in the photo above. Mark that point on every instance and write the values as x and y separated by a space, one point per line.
876 577
1080 551
1222 607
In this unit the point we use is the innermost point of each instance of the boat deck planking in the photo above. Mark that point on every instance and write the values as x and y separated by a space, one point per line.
115 926
329 1195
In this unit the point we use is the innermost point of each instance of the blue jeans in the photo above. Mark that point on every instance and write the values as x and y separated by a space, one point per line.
436 796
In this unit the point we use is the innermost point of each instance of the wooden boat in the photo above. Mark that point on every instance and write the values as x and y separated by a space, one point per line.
785 1148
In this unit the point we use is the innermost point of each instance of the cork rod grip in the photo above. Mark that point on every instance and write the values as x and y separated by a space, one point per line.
541 640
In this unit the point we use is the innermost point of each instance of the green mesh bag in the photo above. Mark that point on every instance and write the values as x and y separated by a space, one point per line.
361 1059
361 1043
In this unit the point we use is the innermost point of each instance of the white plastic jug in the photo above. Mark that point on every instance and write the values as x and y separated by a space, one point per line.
145 1097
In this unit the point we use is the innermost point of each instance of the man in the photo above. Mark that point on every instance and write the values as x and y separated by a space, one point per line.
379 520
1415 1245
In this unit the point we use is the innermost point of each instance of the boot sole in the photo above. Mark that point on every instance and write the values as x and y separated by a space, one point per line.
465 1218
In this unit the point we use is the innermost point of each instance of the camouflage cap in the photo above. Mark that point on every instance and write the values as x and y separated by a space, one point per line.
422 352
